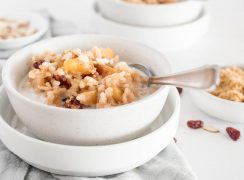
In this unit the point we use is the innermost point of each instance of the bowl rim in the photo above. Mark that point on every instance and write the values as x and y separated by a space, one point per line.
163 5
216 98
56 145
16 93
41 31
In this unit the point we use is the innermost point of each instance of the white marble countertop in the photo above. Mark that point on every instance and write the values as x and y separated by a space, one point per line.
212 156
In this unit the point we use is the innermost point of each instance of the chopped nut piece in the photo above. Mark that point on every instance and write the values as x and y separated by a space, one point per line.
105 70
55 83
32 74
89 81
87 98
211 129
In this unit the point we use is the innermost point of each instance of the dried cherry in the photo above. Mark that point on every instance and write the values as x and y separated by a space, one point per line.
233 133
195 124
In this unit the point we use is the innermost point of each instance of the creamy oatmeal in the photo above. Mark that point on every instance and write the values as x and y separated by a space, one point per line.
151 1
89 79
12 29
231 84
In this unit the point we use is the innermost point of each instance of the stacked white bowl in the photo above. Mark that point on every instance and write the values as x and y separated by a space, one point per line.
87 142
166 27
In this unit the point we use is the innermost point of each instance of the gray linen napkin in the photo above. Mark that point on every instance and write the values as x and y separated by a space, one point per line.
169 164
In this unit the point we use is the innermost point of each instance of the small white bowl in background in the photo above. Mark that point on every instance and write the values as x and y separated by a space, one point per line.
86 126
164 39
36 20
148 15
217 107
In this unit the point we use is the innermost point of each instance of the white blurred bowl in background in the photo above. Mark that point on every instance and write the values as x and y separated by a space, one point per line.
164 39
155 15
36 20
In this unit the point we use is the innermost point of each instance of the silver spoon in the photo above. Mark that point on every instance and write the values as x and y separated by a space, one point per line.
204 78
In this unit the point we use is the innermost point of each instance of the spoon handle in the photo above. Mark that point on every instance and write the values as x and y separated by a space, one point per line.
205 78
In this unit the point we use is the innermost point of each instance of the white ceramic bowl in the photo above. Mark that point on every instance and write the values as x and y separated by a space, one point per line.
89 160
2 62
86 126
162 38
151 15
219 108
36 20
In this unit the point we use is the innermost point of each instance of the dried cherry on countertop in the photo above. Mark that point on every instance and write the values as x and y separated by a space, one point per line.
233 133
195 124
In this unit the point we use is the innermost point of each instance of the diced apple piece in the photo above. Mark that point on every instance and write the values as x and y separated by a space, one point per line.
107 53
117 94
76 66
88 98
105 70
